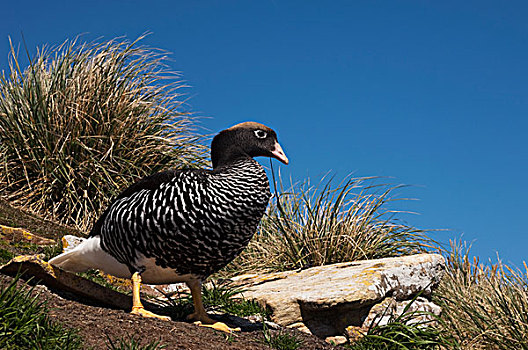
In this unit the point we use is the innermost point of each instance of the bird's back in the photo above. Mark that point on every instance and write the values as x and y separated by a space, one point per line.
192 221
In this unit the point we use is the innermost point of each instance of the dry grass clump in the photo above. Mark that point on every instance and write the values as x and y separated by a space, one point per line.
82 121
317 225
484 306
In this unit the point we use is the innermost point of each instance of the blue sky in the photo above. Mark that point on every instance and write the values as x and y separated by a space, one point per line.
431 93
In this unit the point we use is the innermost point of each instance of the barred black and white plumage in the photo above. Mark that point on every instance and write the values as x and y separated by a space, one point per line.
194 222
183 225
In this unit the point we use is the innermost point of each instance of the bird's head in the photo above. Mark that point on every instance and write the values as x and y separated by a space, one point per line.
247 139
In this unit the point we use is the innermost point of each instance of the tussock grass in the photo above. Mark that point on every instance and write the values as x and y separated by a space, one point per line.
83 121
309 225
485 306
24 323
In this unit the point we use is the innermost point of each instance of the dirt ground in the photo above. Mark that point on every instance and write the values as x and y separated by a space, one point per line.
14 217
96 324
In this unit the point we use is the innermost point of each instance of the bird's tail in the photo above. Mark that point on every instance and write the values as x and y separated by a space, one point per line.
89 255
70 261
80 258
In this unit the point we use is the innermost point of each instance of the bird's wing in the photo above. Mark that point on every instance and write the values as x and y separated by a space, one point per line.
151 182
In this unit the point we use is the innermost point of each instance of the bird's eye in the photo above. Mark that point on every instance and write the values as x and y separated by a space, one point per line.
261 134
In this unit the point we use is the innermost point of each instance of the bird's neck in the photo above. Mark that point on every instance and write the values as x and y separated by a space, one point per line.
237 163
245 174
230 156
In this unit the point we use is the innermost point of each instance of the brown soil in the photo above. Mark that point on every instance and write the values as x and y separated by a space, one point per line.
95 324
15 217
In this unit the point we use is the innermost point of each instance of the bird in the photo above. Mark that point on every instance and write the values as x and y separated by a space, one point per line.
182 225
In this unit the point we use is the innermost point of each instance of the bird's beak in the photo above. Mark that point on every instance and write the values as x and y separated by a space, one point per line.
278 153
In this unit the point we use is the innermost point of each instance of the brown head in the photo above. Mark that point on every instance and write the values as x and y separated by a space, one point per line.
249 139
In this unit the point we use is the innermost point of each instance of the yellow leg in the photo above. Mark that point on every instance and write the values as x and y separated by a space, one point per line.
199 315
137 307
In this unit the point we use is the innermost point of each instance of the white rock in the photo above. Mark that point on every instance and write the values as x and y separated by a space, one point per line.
336 340
327 299
300 327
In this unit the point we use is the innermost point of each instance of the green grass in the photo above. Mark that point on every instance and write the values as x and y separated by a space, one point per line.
243 308
178 306
52 251
131 343
401 336
5 256
24 323
9 250
410 330
309 226
22 247
221 297
83 121
96 277
227 298
280 340
404 333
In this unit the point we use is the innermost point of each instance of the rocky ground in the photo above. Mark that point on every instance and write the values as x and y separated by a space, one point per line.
97 324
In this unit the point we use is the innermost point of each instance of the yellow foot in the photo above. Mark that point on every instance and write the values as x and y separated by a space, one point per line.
145 313
219 326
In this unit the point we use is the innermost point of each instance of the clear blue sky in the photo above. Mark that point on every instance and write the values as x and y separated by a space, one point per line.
431 93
